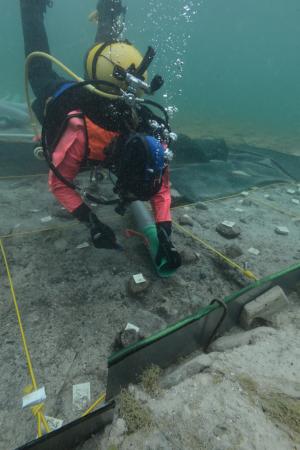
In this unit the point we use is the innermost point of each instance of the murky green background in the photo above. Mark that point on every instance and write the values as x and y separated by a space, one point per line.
232 66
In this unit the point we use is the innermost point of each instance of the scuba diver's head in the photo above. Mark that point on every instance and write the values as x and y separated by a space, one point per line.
139 163
121 66
109 61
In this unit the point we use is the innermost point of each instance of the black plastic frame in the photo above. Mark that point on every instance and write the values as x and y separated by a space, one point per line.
183 338
71 435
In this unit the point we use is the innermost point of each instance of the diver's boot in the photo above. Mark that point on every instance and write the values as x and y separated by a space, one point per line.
111 19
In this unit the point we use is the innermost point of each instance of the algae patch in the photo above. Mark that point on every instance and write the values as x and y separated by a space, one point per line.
136 415
282 409
150 380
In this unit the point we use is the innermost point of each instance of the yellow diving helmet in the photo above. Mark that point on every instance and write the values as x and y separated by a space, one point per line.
107 61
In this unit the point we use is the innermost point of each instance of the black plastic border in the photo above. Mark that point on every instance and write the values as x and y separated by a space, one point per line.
191 334
74 433
11 154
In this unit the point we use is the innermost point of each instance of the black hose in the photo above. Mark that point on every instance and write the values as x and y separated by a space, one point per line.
147 60
161 108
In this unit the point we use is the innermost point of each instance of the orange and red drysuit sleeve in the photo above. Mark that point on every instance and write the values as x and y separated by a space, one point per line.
68 156
161 202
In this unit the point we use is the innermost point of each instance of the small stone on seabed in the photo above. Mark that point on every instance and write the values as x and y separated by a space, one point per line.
245 193
291 191
175 194
228 229
129 336
296 201
61 244
268 197
240 173
254 251
233 251
188 256
201 205
246 202
186 220
139 286
282 230
46 219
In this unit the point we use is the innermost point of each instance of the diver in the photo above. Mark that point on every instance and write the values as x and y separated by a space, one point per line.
102 120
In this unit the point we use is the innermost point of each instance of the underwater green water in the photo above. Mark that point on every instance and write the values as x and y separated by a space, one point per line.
231 66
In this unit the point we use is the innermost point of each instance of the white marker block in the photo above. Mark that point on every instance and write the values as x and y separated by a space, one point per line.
139 278
81 395
34 398
263 307
130 326
253 251
228 224
46 219
83 245
284 231
54 423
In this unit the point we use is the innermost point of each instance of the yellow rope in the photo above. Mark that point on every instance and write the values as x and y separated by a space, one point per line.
95 404
40 230
38 409
13 177
228 197
269 205
246 273
54 228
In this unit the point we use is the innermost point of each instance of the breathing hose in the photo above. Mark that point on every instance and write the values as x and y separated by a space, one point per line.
69 72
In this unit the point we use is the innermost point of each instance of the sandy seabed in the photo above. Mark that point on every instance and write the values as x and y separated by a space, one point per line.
75 301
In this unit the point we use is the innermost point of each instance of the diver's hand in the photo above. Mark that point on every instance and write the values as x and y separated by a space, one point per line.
166 249
102 235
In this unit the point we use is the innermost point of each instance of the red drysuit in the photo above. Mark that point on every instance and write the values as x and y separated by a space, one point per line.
68 156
